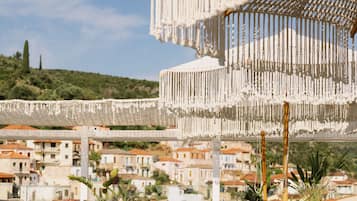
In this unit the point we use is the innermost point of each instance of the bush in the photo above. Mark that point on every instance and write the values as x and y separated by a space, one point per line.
22 92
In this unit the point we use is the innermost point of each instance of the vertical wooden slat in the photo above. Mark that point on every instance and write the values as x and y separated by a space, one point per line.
285 150
264 167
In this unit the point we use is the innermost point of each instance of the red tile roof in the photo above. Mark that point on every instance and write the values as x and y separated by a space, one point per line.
346 182
280 176
140 152
233 183
338 174
169 159
79 142
12 155
186 149
250 177
233 151
19 127
4 175
205 150
15 146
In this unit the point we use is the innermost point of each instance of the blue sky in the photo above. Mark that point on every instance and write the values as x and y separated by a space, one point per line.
104 36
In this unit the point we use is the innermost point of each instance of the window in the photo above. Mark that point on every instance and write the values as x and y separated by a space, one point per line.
115 159
20 153
177 155
53 156
184 155
14 164
28 154
53 144
66 193
66 156
190 173
25 164
66 145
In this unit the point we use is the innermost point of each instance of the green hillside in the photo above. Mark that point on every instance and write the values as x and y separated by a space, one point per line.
63 84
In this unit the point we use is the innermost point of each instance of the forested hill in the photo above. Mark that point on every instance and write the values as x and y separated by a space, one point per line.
63 84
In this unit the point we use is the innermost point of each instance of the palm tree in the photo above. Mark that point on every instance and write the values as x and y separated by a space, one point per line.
309 182
112 189
95 157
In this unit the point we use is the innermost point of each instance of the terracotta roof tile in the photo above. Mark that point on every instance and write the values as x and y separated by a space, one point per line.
205 150
186 149
12 155
338 174
169 159
140 152
19 127
234 151
233 183
4 175
250 177
280 176
114 151
79 142
15 146
346 182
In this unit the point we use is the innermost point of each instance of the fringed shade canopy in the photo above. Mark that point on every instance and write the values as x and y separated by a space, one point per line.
85 113
214 26
209 101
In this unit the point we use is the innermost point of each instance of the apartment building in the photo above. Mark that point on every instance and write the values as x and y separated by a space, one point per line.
52 152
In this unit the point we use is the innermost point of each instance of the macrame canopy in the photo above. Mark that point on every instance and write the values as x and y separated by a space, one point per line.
209 102
85 113
224 28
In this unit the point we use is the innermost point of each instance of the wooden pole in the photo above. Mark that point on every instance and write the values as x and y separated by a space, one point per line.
264 168
285 150
354 29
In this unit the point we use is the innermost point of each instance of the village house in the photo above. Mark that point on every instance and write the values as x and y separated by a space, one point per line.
16 164
170 166
124 161
190 155
339 184
196 176
18 148
144 162
139 182
6 186
236 159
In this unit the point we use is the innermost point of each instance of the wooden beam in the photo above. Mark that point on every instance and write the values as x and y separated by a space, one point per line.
354 29
285 150
264 167
228 12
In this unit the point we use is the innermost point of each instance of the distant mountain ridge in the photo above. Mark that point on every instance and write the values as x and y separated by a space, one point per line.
65 84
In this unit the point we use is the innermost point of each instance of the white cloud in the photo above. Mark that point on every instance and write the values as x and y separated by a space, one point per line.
93 21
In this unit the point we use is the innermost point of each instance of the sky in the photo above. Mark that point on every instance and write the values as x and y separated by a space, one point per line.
102 36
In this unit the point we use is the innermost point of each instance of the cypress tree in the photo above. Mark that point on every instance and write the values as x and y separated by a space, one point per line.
40 67
26 58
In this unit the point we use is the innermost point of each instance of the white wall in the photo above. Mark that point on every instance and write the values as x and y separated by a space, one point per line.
5 188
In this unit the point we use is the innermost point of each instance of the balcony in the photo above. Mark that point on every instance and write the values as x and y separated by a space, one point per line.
47 149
